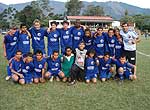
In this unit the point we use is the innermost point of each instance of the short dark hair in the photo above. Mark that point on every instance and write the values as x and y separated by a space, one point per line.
18 51
54 22
29 54
39 52
23 24
68 48
107 53
65 22
91 51
110 29
55 51
100 28
123 56
125 23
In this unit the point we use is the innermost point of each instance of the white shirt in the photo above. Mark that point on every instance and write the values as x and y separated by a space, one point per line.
128 38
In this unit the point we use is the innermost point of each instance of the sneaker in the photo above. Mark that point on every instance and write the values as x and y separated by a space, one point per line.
8 78
71 83
57 79
51 79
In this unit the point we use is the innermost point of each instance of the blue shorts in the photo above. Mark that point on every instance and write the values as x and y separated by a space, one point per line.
37 75
127 74
103 74
28 78
54 73
90 76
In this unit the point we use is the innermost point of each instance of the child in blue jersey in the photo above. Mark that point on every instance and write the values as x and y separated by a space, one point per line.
37 34
15 66
124 68
88 39
105 68
53 38
39 67
54 67
27 69
99 42
110 42
10 47
24 39
77 33
66 37
91 67
119 44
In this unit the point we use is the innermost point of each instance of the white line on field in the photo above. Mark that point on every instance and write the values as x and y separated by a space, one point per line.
141 53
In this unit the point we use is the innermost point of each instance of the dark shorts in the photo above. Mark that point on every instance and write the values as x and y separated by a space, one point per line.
130 56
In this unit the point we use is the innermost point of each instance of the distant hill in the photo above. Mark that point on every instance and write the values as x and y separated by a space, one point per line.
113 9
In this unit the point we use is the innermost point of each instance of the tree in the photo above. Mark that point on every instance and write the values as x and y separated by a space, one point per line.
92 10
28 15
73 7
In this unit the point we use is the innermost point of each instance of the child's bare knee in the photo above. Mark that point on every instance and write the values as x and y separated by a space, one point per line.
120 70
47 75
15 77
94 80
87 81
36 81
22 81
103 79
112 69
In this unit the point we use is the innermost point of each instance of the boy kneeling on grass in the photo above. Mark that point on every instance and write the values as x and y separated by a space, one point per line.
22 68
77 69
124 69
54 67
39 67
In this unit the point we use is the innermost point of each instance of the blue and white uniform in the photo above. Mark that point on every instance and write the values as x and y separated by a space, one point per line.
90 70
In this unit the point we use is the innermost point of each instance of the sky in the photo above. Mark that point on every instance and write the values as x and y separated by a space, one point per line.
139 3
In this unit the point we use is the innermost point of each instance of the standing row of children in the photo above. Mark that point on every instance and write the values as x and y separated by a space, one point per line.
84 54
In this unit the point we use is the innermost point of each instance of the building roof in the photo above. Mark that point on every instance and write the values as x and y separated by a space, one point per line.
91 18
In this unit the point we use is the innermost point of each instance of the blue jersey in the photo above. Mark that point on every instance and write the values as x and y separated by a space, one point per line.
105 65
118 49
16 65
11 45
54 65
90 66
23 43
110 45
39 65
77 36
99 45
65 39
53 41
88 42
126 66
27 70
38 38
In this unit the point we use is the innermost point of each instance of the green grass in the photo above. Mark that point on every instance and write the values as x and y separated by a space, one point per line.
58 96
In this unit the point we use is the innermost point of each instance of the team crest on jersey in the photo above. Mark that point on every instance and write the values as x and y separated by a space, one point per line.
27 67
107 64
112 41
56 64
39 34
92 63
40 65
27 37
67 32
15 38
79 33
55 35
101 40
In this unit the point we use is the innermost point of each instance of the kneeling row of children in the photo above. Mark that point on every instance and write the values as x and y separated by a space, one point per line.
81 65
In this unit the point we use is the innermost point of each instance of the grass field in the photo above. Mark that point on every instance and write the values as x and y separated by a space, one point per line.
101 96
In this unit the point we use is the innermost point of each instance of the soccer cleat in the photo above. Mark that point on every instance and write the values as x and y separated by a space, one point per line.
8 78
51 79
71 83
57 79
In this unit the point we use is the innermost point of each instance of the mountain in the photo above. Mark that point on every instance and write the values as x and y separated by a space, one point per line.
113 9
